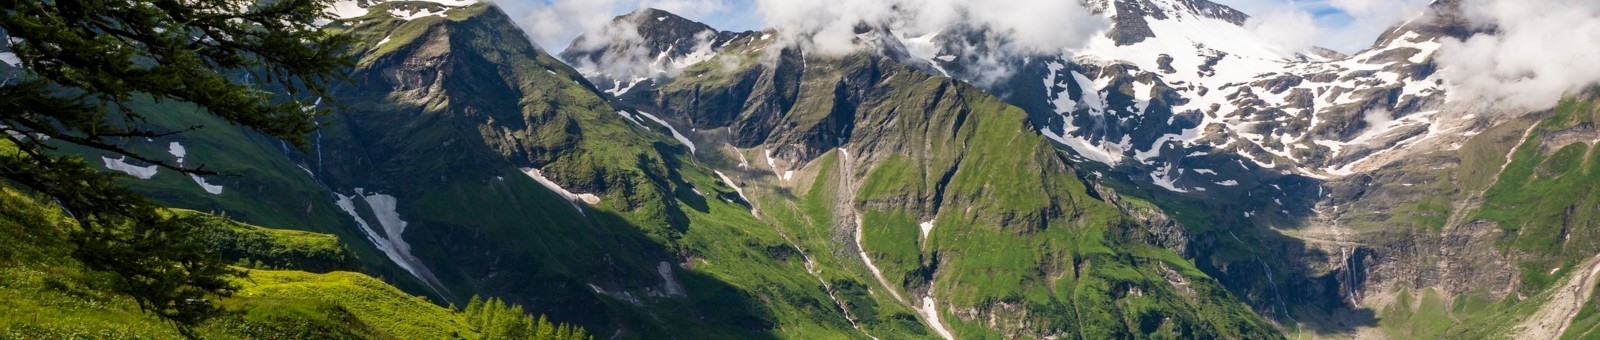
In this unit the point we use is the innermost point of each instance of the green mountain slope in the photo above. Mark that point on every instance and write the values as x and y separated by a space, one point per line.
1524 184
855 158
1489 237
448 117
462 160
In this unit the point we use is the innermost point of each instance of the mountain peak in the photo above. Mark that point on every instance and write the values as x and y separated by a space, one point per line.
1443 18
656 20
1131 18
644 44
656 29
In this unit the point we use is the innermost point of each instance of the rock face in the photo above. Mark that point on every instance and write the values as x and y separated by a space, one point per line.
1131 19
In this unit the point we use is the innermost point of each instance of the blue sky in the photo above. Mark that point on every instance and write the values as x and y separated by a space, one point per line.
1343 25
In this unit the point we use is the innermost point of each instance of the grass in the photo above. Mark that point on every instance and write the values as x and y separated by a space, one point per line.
262 183
1417 317
1539 200
1015 227
50 295
1017 232
388 311
257 247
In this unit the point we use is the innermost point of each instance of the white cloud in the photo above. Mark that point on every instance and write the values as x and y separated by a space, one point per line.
1543 50
1342 25
1014 28
1292 29
627 55
1032 26
1367 19
553 24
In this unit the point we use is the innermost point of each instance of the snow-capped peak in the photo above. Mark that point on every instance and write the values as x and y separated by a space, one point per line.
1173 80
350 9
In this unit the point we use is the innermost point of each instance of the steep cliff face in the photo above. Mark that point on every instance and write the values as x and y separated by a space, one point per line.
1498 218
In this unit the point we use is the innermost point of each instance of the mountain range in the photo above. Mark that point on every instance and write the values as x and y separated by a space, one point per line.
1174 178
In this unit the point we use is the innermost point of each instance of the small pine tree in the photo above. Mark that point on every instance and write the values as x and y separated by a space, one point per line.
494 319
474 313
545 329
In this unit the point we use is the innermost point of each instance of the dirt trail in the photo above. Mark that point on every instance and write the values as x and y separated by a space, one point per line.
1554 316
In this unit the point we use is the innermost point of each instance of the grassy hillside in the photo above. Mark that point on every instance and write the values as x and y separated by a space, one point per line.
1478 240
1019 245
50 296
263 248
668 249
264 182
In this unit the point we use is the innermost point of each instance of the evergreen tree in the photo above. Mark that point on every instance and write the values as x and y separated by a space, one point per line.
494 319
86 65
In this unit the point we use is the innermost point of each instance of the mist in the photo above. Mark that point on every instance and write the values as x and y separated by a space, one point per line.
1541 50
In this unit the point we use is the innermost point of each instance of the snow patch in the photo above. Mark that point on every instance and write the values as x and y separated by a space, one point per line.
209 188
669 283
927 227
1084 147
739 191
1166 181
177 150
121 164
617 88
575 198
10 59
930 311
346 9
630 118
414 14
351 9
391 242
675 135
